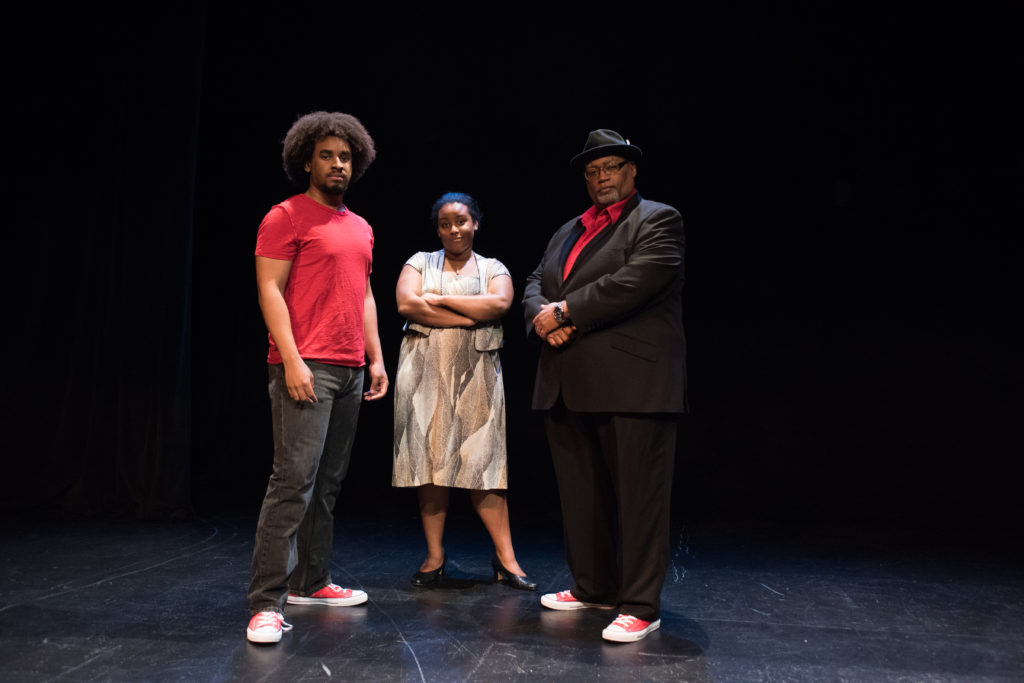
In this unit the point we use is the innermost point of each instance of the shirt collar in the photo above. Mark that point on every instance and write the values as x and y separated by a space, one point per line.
590 216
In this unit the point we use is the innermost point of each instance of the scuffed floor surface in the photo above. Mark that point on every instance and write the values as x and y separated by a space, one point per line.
88 600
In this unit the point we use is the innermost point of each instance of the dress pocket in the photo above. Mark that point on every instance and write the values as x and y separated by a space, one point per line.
490 338
417 328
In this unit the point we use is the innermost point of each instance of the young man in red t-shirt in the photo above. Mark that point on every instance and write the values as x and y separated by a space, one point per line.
313 263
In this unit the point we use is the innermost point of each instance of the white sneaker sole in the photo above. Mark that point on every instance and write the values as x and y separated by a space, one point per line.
620 636
258 637
358 598
550 602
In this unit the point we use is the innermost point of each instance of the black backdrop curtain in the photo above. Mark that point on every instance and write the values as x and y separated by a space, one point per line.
98 324
846 178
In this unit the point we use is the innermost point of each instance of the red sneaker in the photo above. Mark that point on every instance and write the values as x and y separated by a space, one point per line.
627 629
565 600
332 595
266 627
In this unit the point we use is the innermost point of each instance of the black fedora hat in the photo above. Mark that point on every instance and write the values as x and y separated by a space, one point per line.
604 143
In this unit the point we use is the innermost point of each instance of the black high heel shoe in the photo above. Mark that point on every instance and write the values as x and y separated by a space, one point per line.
431 578
502 575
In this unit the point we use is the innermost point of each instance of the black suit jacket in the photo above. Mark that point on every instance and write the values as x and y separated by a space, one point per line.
624 295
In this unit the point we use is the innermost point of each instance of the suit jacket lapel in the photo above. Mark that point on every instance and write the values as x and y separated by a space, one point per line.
553 273
594 244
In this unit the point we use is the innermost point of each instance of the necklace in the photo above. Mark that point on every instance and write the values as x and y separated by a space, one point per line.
457 269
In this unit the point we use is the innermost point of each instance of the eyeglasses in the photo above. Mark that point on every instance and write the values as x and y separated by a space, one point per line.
608 169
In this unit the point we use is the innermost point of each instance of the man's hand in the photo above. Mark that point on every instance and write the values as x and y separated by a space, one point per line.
299 380
378 382
544 323
561 336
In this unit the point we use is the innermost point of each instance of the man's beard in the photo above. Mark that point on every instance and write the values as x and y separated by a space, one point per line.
335 186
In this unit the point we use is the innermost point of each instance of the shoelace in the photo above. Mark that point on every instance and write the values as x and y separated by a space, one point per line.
624 621
271 619
567 595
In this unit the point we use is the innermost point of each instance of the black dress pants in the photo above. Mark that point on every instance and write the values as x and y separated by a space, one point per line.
614 475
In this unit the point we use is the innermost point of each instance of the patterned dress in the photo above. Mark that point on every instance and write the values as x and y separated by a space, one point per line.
449 396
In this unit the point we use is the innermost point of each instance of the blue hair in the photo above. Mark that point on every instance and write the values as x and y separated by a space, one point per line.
461 198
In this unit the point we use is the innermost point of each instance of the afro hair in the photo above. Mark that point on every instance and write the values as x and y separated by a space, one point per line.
315 126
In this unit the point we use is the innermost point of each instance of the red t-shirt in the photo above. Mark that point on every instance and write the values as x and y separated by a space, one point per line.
332 256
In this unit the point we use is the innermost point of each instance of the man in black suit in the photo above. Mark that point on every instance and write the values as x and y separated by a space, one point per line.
606 301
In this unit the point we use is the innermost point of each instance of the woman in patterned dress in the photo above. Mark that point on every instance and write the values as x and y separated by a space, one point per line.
449 396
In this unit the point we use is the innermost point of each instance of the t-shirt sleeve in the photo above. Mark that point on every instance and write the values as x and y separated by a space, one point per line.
496 268
418 261
369 266
276 236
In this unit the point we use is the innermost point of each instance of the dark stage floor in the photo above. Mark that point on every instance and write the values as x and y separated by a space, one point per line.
135 601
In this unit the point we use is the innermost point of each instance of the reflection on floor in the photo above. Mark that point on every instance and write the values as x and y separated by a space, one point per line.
92 600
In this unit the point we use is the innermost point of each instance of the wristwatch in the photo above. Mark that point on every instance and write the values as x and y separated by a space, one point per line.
559 314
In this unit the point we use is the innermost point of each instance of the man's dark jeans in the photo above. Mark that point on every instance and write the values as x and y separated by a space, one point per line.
312 447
